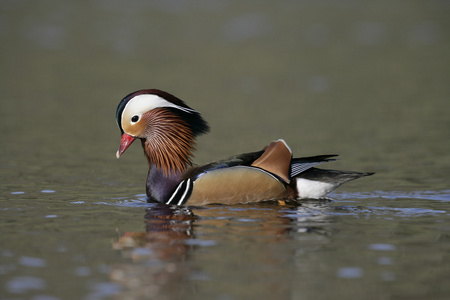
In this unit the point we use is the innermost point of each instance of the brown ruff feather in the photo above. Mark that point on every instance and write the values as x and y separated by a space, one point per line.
170 141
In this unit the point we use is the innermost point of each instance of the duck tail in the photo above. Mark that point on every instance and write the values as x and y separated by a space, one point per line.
316 183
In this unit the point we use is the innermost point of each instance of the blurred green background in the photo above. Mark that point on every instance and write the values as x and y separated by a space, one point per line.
366 79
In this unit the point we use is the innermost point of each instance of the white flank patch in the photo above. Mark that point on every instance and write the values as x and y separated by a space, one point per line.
141 104
310 189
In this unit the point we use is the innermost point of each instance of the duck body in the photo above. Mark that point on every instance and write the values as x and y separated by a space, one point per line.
167 128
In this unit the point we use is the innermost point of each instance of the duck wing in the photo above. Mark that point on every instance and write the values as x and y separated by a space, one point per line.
300 165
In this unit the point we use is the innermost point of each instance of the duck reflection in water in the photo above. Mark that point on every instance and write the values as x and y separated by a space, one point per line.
166 229
181 249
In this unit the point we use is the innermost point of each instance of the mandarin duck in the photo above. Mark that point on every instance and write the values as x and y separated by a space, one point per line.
167 129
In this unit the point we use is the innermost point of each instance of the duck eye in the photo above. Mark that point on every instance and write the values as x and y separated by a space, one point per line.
134 119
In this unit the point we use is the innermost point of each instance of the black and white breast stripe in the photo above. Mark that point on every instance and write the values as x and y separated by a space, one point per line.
182 193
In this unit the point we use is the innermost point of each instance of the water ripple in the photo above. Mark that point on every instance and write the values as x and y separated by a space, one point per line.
426 195
350 272
23 284
406 211
139 201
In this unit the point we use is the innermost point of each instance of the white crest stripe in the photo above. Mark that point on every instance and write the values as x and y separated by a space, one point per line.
141 104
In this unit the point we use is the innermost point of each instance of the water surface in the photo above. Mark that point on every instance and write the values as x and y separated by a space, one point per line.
366 80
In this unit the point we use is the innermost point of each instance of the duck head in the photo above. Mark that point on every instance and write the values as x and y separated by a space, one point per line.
166 126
